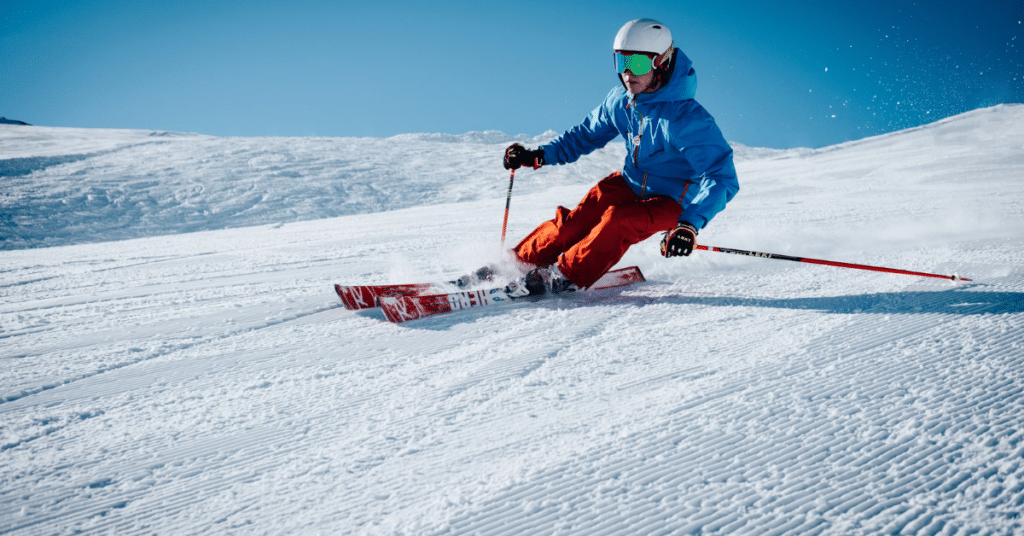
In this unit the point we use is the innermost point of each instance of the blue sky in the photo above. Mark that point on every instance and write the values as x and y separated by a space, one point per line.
800 73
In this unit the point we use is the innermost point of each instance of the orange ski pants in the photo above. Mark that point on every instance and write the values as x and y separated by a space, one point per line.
587 241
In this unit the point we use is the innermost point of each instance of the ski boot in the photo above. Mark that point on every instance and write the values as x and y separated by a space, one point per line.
483 274
540 281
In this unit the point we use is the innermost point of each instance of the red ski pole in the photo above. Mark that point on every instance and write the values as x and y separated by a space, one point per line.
508 203
953 277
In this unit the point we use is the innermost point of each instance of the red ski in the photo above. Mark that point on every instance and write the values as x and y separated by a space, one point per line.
357 297
399 308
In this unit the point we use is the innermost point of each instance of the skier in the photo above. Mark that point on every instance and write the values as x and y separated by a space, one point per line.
677 175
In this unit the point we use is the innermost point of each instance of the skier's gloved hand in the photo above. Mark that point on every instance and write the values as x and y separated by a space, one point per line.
517 156
679 241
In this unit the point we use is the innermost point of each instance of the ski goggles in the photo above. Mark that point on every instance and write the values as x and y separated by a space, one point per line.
637 63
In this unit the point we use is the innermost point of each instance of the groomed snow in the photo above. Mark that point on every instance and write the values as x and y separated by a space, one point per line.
175 360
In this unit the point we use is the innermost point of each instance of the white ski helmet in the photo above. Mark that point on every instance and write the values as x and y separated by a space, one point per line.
644 35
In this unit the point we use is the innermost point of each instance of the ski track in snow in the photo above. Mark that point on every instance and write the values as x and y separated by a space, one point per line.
210 382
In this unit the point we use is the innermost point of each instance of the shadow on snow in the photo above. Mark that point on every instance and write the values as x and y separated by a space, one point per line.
951 302
959 301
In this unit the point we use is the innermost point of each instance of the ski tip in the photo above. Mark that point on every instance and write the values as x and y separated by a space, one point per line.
401 308
352 298
344 298
392 309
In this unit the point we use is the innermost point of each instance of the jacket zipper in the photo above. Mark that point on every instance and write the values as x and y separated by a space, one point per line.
636 148
685 189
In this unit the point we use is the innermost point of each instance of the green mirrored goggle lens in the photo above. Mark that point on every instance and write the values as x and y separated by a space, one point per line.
638 64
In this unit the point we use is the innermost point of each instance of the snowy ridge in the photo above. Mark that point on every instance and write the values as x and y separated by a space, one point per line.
487 137
120 184
71 186
211 383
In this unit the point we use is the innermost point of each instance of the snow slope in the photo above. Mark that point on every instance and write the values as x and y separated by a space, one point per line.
209 382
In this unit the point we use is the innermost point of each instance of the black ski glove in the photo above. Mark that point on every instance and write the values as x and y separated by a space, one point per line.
516 156
679 241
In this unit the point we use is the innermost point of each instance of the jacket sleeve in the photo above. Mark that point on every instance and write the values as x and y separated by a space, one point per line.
593 133
716 187
717 183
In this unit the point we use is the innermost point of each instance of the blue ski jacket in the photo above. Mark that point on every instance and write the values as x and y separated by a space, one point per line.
675 149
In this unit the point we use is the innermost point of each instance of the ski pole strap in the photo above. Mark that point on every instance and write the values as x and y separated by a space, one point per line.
826 263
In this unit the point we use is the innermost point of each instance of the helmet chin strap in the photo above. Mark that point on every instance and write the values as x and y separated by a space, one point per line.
664 72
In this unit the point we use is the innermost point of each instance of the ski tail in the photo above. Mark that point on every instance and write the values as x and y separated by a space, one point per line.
619 278
401 308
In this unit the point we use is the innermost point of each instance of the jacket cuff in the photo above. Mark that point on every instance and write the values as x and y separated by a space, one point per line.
696 221
549 155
